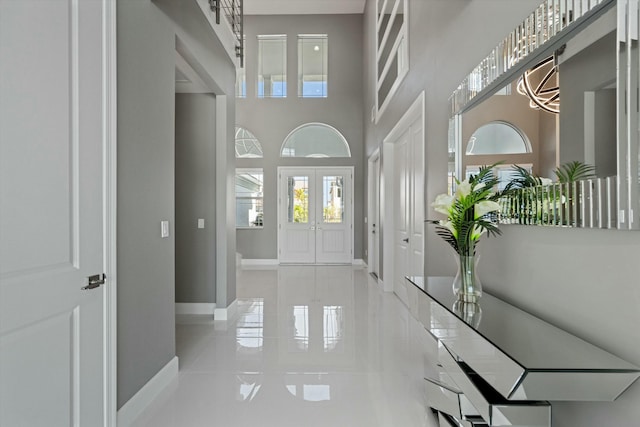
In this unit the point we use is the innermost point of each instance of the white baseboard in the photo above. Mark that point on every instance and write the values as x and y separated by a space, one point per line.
252 262
195 308
227 313
359 262
135 406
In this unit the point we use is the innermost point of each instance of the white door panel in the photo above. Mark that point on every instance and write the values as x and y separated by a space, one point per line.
297 221
315 215
402 220
51 212
334 217
408 200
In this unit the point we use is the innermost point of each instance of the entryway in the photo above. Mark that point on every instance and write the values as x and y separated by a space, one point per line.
315 215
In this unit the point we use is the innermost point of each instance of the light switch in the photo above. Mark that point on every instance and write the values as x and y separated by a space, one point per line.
164 229
200 222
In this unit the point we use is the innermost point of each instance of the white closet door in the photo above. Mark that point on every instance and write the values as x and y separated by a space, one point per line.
51 212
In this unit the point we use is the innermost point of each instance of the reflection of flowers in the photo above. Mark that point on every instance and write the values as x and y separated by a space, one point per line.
468 212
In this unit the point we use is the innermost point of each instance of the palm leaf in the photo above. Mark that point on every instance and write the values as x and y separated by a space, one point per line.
523 179
575 171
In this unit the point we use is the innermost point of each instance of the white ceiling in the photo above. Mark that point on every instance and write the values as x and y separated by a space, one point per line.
302 7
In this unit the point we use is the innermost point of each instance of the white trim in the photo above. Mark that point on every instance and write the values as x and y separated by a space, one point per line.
135 406
344 140
374 158
413 113
227 313
258 262
110 185
359 262
200 308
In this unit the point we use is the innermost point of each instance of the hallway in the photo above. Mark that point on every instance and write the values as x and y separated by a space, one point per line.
311 346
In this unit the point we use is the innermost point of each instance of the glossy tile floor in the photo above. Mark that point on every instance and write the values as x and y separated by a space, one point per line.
311 346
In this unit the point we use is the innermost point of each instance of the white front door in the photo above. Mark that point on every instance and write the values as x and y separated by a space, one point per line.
315 215
52 136
408 202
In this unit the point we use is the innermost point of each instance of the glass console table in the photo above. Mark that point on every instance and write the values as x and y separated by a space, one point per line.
499 366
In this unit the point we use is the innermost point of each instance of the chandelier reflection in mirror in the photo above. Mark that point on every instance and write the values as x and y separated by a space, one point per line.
540 84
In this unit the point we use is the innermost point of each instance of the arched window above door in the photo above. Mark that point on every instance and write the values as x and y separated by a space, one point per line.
315 140
247 145
498 138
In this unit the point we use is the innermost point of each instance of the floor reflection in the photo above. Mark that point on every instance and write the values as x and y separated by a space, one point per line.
311 346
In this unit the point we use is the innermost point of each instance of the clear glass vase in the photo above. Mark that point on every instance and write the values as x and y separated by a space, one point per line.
469 312
466 285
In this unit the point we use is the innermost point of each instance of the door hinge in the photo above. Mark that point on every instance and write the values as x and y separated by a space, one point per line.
95 281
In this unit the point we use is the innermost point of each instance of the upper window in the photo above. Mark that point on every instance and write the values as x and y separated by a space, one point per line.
315 140
312 66
272 66
392 54
498 138
247 145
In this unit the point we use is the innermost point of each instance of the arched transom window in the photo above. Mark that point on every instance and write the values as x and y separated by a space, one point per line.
315 140
498 138
247 145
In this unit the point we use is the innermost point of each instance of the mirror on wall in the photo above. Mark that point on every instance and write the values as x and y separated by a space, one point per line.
561 107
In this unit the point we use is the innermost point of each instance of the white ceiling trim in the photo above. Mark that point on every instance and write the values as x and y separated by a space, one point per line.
303 7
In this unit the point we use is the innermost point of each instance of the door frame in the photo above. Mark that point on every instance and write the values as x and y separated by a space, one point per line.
415 112
373 211
110 184
280 195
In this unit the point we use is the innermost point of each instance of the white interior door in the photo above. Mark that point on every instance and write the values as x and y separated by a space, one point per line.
374 216
408 207
315 215
401 214
51 212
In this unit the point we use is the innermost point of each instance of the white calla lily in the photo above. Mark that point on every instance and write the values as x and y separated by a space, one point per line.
449 226
443 203
463 189
484 207
479 186
477 232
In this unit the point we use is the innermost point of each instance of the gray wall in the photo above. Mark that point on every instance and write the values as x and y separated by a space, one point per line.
195 198
146 340
585 281
592 69
271 120
146 158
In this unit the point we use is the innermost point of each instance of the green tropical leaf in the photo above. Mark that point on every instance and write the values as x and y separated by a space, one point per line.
524 179
575 171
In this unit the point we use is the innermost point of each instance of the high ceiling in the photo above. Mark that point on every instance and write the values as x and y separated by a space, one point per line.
302 7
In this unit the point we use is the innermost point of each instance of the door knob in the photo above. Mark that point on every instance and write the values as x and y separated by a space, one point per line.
406 240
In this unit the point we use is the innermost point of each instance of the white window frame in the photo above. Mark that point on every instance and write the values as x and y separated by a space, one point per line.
300 84
400 49
259 70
